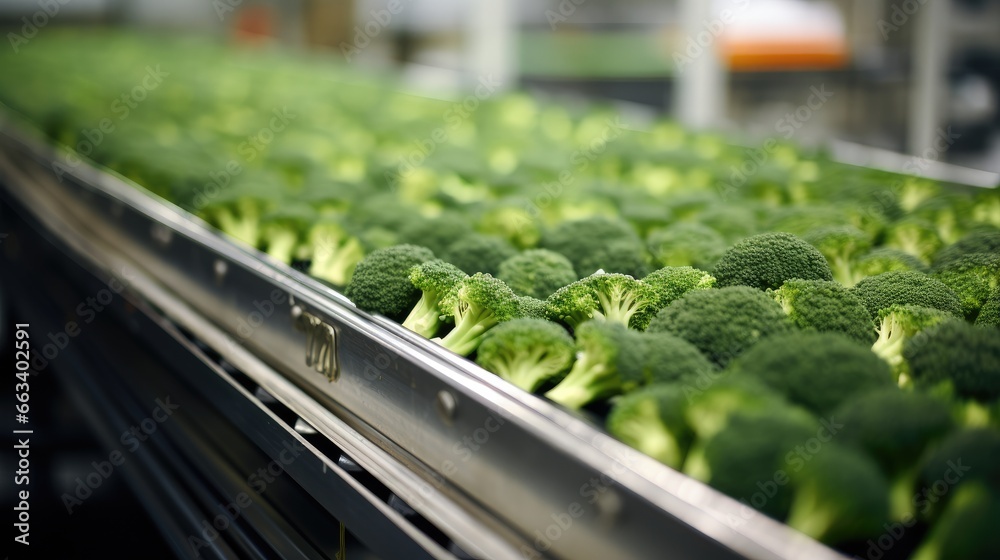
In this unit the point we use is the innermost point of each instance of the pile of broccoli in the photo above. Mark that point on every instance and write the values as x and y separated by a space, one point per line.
820 342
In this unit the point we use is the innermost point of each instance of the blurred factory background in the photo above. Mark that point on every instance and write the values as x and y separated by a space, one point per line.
919 77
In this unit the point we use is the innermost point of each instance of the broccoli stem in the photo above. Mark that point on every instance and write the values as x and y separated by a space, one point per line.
889 345
617 306
281 243
425 317
843 272
810 516
527 370
901 495
588 380
245 229
646 433
336 264
470 327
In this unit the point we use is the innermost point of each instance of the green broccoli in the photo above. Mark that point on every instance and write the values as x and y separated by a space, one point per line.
897 325
985 241
968 456
381 281
765 261
989 315
614 297
528 306
598 243
825 306
722 323
895 428
906 288
818 371
513 223
601 347
841 245
754 450
972 277
537 273
839 495
986 207
956 353
435 279
476 304
915 236
659 357
332 251
651 420
527 352
282 230
686 244
671 282
715 399
885 259
237 209
436 234
967 527
479 253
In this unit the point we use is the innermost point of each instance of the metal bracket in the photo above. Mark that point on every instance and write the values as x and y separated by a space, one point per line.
321 343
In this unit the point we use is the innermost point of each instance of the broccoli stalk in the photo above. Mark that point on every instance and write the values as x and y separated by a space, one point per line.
477 304
282 229
841 245
652 420
595 373
334 253
527 352
435 279
899 323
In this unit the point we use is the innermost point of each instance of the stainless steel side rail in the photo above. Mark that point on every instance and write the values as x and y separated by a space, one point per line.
504 473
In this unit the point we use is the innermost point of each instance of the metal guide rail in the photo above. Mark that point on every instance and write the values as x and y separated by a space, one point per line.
503 473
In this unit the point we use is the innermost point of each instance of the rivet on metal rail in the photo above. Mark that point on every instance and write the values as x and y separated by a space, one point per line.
446 404
321 343
220 268
161 234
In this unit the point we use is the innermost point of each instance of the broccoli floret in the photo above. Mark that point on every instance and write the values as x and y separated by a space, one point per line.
238 214
282 230
885 259
535 308
825 306
972 277
976 242
722 323
614 297
955 352
967 529
967 456
651 420
479 253
839 495
986 207
537 273
477 304
434 279
841 245
527 352
714 399
598 243
601 347
897 325
513 223
381 282
671 282
818 371
754 449
663 357
333 252
765 261
686 244
906 288
989 315
915 236
436 234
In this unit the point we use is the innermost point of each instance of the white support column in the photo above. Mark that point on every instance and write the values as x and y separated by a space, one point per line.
928 93
491 41
700 85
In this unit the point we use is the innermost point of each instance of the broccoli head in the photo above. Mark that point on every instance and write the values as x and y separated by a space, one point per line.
841 245
662 357
972 277
839 495
479 253
983 241
818 371
967 528
613 297
989 315
651 420
967 456
528 306
765 261
602 346
437 234
686 244
527 352
906 288
434 279
381 281
954 352
537 273
476 304
598 243
825 306
333 253
915 236
671 282
722 323
885 259
712 400
897 325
